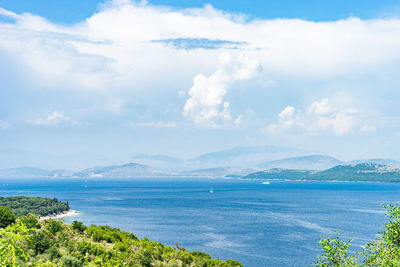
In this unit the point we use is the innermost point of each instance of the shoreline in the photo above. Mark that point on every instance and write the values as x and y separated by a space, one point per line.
60 215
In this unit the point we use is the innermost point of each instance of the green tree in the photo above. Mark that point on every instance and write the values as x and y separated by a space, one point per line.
335 253
40 242
78 226
54 226
10 244
6 217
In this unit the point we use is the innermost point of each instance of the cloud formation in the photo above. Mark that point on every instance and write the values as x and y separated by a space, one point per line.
206 103
56 118
320 116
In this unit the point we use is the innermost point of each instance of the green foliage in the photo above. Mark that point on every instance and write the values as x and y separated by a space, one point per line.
30 220
39 242
78 226
12 239
335 252
54 226
53 243
385 251
54 252
41 206
70 261
6 217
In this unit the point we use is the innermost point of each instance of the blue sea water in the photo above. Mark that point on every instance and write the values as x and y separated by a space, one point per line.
260 225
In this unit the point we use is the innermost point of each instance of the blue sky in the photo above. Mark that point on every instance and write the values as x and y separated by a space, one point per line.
71 11
102 81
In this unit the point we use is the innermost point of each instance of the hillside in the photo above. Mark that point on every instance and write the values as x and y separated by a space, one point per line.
53 243
119 171
313 162
21 205
359 172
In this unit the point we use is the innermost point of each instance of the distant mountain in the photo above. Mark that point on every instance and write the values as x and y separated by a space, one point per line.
128 170
218 172
162 162
29 172
390 162
313 162
243 157
359 172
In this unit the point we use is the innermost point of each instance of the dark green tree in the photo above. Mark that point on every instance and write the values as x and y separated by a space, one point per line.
6 217
40 242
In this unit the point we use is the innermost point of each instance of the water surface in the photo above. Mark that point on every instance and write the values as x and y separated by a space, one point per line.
260 225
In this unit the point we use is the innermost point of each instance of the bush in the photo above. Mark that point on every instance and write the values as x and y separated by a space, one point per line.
40 242
78 226
54 252
6 217
70 261
30 221
54 226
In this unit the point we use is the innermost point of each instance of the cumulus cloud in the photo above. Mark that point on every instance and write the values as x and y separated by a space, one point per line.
122 50
116 47
56 118
206 103
319 117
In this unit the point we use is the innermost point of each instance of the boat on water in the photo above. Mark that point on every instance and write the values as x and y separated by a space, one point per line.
211 190
266 182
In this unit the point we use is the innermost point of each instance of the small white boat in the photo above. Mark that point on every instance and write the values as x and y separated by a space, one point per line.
266 182
211 190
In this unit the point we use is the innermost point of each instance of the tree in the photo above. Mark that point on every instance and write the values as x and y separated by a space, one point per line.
40 242
78 226
10 244
54 226
6 217
335 253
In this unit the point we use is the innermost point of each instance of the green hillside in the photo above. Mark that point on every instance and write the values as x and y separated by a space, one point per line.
27 241
360 172
21 205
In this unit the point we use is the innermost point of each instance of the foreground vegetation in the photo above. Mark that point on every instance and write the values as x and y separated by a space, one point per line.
385 251
27 241
41 206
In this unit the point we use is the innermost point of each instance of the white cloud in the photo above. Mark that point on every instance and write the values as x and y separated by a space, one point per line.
4 124
114 48
56 118
113 52
206 104
155 124
319 117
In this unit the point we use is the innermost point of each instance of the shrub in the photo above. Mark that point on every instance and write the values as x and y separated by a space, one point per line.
54 226
70 261
40 242
54 252
30 221
6 217
78 226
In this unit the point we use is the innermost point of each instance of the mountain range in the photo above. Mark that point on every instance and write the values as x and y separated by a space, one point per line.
217 164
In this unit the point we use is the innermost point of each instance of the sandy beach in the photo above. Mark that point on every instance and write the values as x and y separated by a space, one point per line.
61 215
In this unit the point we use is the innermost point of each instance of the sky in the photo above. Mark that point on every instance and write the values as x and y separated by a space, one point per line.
104 80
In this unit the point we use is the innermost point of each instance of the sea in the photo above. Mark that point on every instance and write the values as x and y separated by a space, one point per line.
276 224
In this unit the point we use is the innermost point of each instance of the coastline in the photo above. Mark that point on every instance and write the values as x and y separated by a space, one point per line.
60 215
